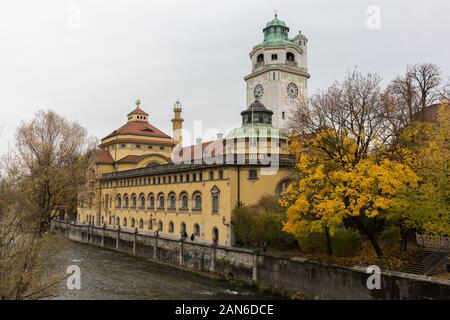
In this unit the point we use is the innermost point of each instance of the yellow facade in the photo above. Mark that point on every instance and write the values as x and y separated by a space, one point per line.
140 188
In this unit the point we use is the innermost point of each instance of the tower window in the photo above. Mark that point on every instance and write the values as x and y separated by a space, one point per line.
161 148
149 147
260 58
123 145
138 146
290 56
273 75
274 56
283 115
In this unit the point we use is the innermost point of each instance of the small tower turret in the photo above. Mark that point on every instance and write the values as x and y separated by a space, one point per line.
177 123
138 114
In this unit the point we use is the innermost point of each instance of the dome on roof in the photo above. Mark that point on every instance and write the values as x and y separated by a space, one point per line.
256 106
276 22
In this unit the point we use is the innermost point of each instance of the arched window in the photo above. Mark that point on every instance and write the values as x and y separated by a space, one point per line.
151 201
171 227
125 201
260 58
197 201
125 222
103 220
172 201
215 196
196 230
161 202
91 199
110 221
290 56
118 221
142 201
118 201
150 224
182 228
215 235
184 201
133 201
160 225
141 224
133 223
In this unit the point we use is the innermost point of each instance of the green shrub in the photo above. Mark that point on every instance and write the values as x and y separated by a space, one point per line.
256 224
346 242
313 243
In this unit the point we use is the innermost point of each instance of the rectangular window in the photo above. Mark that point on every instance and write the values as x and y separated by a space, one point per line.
252 174
149 147
194 177
174 179
211 175
138 146
274 56
187 178
123 145
221 175
161 147
283 115
170 179
181 178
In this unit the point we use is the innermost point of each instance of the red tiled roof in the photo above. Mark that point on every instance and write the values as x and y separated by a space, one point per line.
129 158
139 128
138 111
205 150
103 156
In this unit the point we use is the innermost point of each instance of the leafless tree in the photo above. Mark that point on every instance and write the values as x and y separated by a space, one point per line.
38 181
351 109
427 78
446 90
52 152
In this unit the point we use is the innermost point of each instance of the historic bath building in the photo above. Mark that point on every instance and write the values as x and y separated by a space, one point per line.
141 179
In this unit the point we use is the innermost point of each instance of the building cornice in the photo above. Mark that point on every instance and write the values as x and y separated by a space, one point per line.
267 68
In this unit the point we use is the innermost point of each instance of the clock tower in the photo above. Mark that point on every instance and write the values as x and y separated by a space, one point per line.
279 77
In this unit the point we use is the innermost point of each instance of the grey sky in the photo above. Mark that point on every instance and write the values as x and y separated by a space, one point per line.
196 51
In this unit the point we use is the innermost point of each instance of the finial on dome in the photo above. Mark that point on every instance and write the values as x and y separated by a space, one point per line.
138 103
276 13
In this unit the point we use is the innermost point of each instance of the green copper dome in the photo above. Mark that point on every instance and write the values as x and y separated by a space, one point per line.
257 130
276 22
276 33
256 123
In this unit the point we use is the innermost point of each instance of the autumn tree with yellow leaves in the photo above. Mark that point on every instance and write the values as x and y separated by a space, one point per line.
343 180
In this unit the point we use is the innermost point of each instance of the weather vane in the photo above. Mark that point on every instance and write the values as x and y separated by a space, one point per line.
138 103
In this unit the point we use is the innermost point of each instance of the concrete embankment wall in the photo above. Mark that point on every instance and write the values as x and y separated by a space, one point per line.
321 280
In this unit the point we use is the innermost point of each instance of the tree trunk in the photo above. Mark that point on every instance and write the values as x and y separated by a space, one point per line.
369 236
328 239
404 240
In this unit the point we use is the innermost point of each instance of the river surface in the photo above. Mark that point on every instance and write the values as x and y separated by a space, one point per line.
108 275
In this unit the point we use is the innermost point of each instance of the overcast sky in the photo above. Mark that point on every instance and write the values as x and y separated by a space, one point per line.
91 67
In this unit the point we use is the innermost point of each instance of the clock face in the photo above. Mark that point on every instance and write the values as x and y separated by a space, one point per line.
258 91
292 90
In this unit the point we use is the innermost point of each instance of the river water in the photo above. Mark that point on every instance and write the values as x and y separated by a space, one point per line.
111 275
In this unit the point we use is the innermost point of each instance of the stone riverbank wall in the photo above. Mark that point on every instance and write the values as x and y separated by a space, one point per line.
318 279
